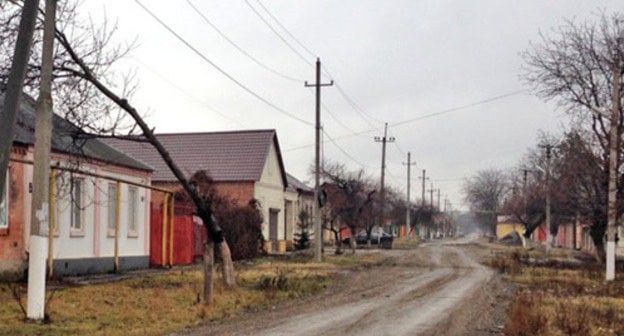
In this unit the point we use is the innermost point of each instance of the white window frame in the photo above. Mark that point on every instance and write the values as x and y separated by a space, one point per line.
4 206
133 193
112 209
77 205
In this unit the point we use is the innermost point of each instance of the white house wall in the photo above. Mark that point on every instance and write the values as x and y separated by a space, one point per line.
128 246
93 249
269 190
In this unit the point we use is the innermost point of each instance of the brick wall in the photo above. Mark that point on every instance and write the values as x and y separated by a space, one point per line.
12 245
240 191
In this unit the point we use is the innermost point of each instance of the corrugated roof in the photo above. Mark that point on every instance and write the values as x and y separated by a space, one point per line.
226 156
69 139
296 185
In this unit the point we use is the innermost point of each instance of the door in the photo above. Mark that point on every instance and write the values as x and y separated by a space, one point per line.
273 220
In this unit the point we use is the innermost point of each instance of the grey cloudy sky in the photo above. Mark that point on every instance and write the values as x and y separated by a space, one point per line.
398 61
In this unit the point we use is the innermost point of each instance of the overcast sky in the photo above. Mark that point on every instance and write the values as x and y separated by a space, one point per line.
396 61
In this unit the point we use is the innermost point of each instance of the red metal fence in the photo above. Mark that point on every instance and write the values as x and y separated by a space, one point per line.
182 250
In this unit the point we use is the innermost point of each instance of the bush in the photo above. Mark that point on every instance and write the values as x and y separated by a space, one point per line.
524 317
242 227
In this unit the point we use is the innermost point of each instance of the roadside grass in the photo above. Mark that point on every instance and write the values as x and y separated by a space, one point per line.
166 302
558 296
405 244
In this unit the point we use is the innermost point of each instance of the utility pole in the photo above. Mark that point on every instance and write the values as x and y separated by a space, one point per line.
613 171
408 216
382 195
431 191
424 178
39 226
14 86
439 200
548 148
318 235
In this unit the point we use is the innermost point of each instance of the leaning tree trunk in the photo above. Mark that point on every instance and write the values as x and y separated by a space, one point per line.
208 272
228 267
215 232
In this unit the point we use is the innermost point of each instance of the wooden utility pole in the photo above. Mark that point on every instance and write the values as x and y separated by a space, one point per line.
408 215
614 147
382 195
431 191
40 210
424 178
15 82
318 235
439 209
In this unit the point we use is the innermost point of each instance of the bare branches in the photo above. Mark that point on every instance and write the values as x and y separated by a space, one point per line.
94 43
575 67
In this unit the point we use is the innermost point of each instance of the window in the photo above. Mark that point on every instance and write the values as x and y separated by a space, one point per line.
132 211
4 206
77 207
112 208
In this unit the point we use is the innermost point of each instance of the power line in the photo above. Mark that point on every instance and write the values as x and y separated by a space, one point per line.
286 30
400 149
223 72
255 60
453 109
346 153
175 86
350 101
278 34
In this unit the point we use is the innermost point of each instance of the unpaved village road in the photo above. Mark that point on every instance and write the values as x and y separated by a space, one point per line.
437 289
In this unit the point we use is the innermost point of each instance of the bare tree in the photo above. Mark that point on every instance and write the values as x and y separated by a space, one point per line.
581 68
350 196
84 86
485 193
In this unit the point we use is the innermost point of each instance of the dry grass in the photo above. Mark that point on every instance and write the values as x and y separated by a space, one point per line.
559 297
405 244
164 303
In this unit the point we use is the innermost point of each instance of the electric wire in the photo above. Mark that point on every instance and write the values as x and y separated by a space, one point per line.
348 99
286 30
188 94
235 45
450 110
457 108
223 72
279 35
346 153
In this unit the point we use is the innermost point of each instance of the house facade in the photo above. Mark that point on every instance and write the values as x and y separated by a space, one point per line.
98 200
243 165
298 197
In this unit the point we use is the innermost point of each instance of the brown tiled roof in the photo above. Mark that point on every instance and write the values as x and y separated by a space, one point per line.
226 156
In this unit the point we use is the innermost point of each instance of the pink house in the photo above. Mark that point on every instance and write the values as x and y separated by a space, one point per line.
99 203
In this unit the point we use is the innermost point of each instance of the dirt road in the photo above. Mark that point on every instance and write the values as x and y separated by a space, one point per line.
436 289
